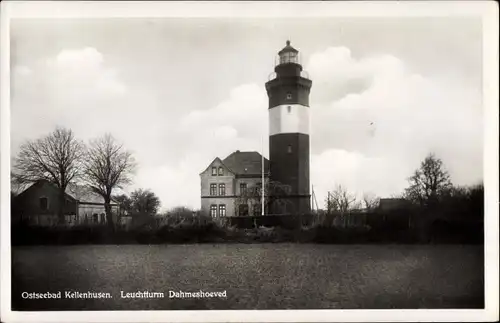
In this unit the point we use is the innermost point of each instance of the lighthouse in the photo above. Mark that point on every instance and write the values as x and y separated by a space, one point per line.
289 122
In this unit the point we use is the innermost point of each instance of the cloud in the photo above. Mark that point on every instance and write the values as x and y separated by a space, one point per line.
245 109
383 176
77 89
237 123
21 71
372 121
177 185
395 118
73 88
84 70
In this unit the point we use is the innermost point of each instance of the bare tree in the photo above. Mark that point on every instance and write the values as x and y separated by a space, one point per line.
340 200
370 201
80 192
55 158
275 194
107 166
17 186
428 182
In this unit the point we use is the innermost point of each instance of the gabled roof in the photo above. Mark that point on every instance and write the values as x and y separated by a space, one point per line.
246 163
213 161
41 182
89 198
243 163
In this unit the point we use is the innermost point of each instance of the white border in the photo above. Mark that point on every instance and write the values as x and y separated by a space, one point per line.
488 10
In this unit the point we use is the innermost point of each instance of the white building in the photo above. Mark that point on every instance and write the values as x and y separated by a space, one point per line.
224 181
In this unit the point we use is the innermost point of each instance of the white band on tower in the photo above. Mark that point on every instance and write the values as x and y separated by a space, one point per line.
289 118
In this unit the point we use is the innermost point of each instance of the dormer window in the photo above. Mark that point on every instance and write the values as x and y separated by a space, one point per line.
214 171
221 171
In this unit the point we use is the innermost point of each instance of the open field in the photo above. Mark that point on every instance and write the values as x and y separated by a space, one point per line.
255 276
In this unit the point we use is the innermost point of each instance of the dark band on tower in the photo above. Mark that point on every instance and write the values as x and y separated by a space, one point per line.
288 96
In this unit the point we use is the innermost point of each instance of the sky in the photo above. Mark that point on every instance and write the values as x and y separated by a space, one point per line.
178 92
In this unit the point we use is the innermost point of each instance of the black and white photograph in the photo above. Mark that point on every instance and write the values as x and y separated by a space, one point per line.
221 158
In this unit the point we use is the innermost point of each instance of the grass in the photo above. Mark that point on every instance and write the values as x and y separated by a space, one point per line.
255 276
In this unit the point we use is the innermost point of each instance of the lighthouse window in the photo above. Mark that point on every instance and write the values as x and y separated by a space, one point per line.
289 96
289 109
289 149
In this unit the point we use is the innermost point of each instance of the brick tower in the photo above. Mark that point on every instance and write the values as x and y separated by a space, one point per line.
288 93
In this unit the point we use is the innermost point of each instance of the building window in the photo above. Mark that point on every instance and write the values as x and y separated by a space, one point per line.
289 108
243 188
213 189
243 210
214 171
44 203
257 209
289 96
213 210
95 218
222 210
289 149
221 171
222 189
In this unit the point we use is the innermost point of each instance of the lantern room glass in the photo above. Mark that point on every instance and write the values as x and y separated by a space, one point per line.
289 57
